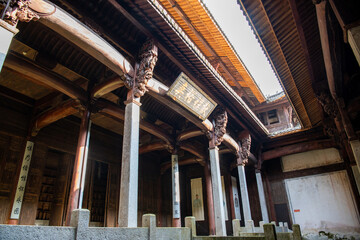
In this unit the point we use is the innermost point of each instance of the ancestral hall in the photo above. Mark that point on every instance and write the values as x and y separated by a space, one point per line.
130 107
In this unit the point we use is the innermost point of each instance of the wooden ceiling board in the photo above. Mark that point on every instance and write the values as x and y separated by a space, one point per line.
203 22
276 30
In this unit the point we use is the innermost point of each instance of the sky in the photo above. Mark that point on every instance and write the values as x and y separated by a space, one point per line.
233 23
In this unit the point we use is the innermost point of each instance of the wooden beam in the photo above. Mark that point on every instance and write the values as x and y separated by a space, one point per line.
331 65
231 143
48 78
107 86
199 153
165 166
115 111
156 131
18 97
203 125
323 29
157 87
83 37
63 110
341 21
297 148
152 147
190 133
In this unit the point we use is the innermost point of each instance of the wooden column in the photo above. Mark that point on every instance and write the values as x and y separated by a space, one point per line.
159 202
176 221
78 177
218 197
128 208
232 205
355 146
264 212
209 198
244 193
354 41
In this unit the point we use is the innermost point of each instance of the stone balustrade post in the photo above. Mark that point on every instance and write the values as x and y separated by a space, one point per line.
149 221
269 231
236 227
190 223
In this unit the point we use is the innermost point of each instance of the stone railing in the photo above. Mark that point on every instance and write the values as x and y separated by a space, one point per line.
265 232
79 230
283 227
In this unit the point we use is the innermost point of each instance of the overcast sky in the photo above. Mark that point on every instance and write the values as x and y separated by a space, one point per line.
233 23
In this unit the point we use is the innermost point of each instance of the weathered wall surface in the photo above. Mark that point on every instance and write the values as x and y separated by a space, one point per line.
324 203
310 159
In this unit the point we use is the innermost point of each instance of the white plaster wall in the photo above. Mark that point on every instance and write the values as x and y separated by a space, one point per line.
323 203
310 159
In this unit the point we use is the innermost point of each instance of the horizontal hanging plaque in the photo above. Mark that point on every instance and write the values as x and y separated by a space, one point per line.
190 96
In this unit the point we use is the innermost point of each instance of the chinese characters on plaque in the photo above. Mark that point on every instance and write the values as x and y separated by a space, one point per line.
197 199
176 186
19 195
190 96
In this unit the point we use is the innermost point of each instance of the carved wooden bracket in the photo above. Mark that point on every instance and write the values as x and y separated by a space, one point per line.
148 58
331 130
220 122
328 104
245 145
19 10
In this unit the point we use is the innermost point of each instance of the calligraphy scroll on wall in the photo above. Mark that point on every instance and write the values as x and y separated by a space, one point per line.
20 189
197 200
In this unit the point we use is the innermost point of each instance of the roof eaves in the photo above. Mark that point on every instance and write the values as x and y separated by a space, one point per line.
186 39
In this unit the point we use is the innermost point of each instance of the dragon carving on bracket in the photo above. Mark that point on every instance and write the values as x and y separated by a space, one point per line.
221 120
19 10
245 146
148 58
328 104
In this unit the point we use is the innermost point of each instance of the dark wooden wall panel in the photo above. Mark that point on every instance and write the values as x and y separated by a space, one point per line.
277 190
166 208
64 169
14 117
113 195
253 195
10 157
149 171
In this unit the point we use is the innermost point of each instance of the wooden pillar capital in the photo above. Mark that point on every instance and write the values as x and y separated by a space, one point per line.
220 122
20 10
144 70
